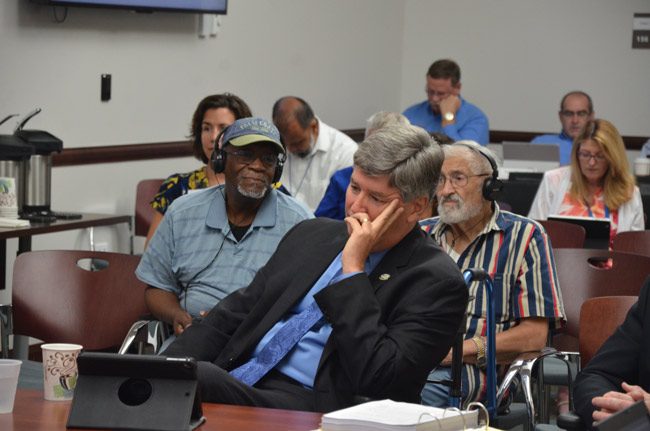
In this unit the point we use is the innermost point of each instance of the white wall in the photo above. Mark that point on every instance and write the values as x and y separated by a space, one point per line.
518 58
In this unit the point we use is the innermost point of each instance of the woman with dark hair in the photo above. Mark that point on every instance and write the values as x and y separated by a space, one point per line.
598 183
212 115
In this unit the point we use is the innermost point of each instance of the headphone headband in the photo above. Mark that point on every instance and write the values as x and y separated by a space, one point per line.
493 185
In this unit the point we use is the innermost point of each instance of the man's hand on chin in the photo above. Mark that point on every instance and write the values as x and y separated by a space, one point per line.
365 234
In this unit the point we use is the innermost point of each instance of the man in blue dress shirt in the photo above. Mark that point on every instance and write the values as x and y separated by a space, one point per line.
445 111
576 109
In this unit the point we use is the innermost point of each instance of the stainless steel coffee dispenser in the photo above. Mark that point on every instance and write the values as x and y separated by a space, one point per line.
37 173
13 156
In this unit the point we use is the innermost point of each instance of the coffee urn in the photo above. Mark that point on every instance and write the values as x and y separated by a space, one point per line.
13 156
37 192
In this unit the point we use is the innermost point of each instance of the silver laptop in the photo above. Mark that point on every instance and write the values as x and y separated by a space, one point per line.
529 157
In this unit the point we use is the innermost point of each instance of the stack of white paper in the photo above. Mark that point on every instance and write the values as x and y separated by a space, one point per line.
12 222
387 415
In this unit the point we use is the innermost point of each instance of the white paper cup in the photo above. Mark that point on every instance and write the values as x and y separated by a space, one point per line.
59 370
9 371
642 166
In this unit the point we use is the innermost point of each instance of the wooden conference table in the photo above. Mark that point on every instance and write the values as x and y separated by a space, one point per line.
32 412
24 234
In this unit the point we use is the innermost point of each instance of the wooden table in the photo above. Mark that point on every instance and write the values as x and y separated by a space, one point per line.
24 234
32 412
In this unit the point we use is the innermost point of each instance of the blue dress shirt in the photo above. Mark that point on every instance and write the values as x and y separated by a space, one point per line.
301 363
564 141
471 123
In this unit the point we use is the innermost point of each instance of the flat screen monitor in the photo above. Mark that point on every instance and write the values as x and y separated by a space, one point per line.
597 229
196 6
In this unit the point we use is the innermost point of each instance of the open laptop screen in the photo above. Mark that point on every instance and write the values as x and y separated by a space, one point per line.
530 157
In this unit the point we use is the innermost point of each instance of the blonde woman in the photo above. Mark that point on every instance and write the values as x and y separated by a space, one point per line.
598 182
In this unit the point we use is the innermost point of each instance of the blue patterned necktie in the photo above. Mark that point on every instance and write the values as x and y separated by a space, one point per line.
289 335
278 346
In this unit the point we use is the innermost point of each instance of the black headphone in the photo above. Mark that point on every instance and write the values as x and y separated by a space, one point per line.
218 159
492 186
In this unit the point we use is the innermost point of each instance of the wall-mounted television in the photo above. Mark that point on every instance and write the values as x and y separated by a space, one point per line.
194 6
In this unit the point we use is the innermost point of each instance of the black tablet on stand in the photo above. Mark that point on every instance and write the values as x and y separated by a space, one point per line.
135 392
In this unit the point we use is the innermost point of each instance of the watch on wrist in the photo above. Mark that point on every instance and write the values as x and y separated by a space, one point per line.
481 360
449 116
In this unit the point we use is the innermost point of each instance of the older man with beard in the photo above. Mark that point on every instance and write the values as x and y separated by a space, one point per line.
213 241
515 252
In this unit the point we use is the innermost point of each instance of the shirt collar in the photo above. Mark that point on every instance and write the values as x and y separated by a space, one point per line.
565 137
322 143
217 217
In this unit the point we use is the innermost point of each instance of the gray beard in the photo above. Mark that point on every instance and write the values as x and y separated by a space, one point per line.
253 194
463 213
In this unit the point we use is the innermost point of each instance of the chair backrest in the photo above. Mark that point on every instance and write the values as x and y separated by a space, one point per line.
581 277
637 242
599 318
564 235
56 300
145 191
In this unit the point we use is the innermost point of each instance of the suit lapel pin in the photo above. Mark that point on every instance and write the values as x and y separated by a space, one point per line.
384 277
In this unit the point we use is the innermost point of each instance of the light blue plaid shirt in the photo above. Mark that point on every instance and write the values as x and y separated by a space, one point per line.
195 255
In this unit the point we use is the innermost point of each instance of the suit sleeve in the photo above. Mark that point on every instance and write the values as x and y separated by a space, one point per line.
617 360
382 355
205 339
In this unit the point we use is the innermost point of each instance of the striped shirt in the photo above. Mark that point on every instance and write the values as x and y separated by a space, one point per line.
195 255
515 252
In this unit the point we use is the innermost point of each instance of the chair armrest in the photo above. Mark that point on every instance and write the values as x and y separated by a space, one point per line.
570 421
523 367
145 332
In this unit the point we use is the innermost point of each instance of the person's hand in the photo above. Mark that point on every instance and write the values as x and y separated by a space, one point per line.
181 321
637 393
450 103
447 360
613 401
365 235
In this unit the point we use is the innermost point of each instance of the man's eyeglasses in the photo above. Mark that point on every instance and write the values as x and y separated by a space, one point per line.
247 157
457 180
570 114
586 156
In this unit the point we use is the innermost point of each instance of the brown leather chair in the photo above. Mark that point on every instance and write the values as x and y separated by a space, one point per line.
637 242
145 191
599 318
83 297
563 234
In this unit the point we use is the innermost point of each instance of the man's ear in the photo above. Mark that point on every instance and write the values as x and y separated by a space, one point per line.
455 89
419 208
314 127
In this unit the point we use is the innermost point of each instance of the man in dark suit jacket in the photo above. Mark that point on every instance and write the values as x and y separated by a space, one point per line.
390 311
619 374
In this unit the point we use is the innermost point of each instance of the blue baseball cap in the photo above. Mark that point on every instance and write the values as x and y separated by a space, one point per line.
246 131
